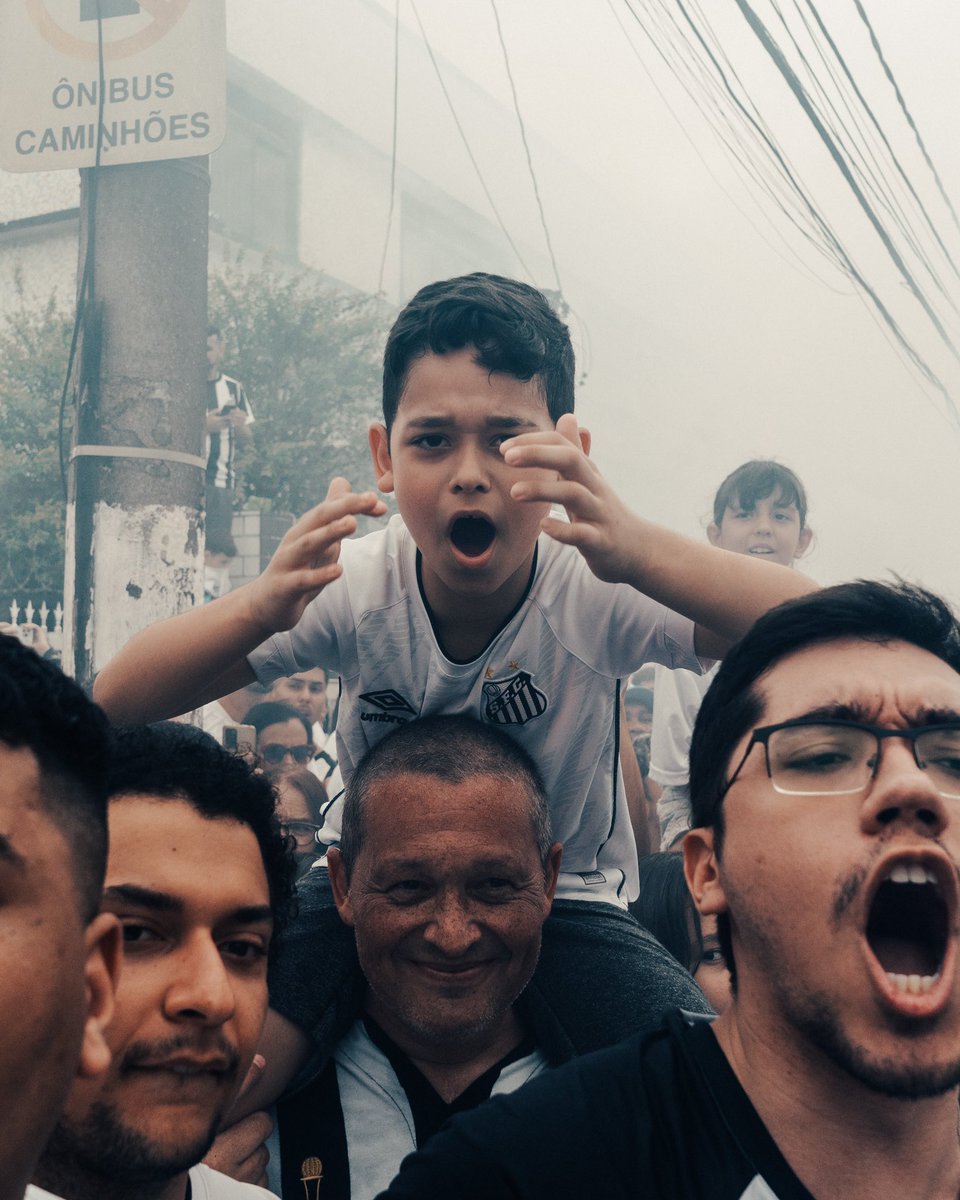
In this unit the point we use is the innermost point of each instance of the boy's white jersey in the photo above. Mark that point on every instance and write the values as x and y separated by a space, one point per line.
550 678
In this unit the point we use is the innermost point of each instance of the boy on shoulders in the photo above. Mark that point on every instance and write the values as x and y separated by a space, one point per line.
477 599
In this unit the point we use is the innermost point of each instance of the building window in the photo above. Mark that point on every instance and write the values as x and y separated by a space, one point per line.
254 177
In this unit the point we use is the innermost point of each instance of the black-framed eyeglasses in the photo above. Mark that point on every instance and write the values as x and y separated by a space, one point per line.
274 753
811 757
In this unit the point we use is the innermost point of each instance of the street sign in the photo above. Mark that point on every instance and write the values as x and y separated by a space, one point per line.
164 86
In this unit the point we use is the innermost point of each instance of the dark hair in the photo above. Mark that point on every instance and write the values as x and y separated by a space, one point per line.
666 908
214 331
275 712
639 695
43 711
509 324
306 783
220 542
452 748
180 762
872 611
755 480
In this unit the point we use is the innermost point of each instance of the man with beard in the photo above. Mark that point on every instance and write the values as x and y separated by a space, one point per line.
825 781
199 876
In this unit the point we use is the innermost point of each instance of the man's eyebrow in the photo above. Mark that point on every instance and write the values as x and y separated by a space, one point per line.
851 710
928 715
249 914
856 711
142 897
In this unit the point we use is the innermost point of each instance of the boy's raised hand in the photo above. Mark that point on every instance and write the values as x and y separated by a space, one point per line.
307 558
600 525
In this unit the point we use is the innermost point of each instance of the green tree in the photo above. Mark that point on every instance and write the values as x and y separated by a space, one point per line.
308 354
34 344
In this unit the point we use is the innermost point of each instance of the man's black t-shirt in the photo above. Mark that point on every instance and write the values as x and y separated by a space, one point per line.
658 1117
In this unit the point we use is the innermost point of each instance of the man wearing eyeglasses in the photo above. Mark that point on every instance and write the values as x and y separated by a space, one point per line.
825 780
284 735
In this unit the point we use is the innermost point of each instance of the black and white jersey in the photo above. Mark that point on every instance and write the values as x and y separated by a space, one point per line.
224 392
370 1107
660 1116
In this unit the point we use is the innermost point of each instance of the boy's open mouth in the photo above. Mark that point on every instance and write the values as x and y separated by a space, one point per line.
472 535
908 926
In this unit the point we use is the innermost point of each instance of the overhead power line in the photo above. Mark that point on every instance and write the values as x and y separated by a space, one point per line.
903 107
773 50
393 144
466 143
526 147
875 173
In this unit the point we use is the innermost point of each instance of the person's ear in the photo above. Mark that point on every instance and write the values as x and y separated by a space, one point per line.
552 871
700 866
803 542
340 885
380 452
713 533
104 946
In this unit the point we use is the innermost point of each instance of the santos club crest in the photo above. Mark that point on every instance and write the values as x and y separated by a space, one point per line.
513 701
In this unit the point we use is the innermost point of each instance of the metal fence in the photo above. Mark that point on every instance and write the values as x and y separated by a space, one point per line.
49 619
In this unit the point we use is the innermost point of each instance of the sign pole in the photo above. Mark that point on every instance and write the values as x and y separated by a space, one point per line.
137 464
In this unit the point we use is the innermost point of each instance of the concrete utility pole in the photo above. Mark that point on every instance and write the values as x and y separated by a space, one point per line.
134 535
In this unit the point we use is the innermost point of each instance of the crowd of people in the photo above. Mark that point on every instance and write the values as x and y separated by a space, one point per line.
509 917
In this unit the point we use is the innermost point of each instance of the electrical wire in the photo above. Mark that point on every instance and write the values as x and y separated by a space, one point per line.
874 179
763 35
894 158
696 56
903 107
393 147
741 132
466 143
794 261
526 147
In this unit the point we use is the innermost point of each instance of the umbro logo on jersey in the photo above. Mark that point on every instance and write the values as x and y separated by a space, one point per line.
391 704
513 701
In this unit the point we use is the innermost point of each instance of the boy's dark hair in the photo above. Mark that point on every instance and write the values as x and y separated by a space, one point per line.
755 480
275 712
866 609
509 324
43 711
214 331
666 908
452 748
180 762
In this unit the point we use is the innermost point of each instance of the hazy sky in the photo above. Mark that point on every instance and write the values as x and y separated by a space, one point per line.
741 341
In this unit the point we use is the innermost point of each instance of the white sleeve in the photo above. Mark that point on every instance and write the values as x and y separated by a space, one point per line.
676 702
244 403
313 641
